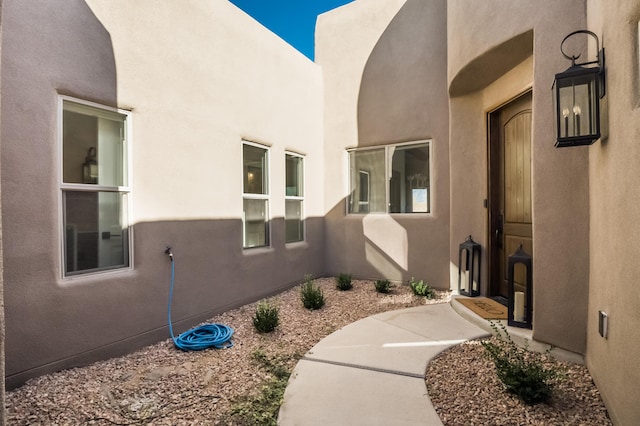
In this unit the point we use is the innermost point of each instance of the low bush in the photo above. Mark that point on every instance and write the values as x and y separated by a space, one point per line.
383 286
311 295
522 372
343 282
266 318
420 288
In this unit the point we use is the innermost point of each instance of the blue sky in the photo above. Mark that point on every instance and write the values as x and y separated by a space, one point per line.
293 20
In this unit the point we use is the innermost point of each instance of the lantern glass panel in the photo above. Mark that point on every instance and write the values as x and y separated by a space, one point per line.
577 107
567 122
520 292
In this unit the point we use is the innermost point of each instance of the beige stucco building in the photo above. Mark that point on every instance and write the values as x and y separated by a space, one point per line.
192 84
186 124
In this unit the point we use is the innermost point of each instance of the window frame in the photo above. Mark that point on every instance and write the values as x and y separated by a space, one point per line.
251 196
94 188
388 169
300 198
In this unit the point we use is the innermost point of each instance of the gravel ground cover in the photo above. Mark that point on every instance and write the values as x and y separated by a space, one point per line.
465 390
160 385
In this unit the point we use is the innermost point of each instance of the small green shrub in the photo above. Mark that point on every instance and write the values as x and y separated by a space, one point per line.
343 282
420 288
266 318
522 373
383 286
311 295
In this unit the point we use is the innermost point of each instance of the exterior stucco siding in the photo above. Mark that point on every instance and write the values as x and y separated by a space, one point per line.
402 97
3 415
198 79
558 177
338 37
615 211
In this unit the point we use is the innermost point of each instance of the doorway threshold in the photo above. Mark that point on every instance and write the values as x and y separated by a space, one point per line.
522 337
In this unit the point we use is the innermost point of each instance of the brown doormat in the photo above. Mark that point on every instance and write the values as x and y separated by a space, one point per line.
486 308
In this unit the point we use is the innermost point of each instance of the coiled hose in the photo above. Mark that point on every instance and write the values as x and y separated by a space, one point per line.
202 337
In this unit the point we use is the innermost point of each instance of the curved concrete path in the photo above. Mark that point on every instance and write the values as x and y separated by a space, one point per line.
371 372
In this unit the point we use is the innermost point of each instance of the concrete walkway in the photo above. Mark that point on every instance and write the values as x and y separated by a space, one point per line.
372 372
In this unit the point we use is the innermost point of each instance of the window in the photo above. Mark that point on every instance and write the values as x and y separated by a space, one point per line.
94 187
255 169
294 197
391 179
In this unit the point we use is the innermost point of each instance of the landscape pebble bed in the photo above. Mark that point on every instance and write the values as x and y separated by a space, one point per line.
464 389
162 385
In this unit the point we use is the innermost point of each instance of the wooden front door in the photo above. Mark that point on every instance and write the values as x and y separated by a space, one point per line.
510 189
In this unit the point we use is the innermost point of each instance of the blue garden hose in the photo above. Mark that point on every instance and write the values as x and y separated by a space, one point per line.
205 336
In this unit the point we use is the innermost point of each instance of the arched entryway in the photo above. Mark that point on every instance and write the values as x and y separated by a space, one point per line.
510 206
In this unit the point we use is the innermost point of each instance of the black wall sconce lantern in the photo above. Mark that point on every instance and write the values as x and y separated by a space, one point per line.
576 95
469 271
519 306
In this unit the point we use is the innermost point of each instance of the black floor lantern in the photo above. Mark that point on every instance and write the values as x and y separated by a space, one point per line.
520 283
469 271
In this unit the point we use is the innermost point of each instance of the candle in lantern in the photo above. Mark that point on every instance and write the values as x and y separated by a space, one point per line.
565 114
518 307
577 111
464 277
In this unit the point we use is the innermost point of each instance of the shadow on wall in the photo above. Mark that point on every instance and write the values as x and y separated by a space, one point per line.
402 98
63 50
128 308
403 89
396 247
367 246
386 246
220 273
75 46
488 67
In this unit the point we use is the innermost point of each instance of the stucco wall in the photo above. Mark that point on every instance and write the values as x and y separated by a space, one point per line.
615 211
477 35
3 417
402 97
338 37
198 77
350 31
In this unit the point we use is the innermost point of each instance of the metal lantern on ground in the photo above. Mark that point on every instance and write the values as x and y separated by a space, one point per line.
520 285
577 92
469 271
